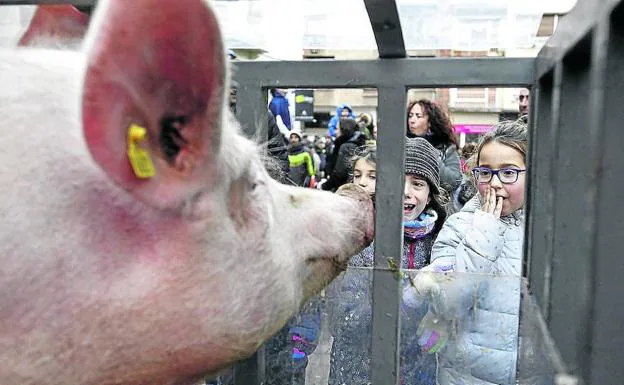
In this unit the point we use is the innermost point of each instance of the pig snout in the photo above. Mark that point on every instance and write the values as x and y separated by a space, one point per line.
366 208
334 233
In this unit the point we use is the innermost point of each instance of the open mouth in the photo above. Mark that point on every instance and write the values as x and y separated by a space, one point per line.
408 208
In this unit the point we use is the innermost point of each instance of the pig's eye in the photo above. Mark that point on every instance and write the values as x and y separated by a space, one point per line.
255 184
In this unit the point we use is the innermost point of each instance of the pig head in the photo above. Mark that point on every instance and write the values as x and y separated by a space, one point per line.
142 241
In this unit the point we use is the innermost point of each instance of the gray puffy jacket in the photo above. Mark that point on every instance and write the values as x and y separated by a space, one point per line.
484 349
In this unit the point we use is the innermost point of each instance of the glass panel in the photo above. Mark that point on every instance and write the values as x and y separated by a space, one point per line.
14 20
468 323
469 24
539 362
284 29
344 25
474 317
485 325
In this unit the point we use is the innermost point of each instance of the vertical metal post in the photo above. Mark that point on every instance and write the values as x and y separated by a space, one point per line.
595 133
250 371
388 235
251 112
549 218
607 317
570 285
539 232
533 108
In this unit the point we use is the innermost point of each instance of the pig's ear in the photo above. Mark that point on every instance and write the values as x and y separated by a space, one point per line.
61 22
153 96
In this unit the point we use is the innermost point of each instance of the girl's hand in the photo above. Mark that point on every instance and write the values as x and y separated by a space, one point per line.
491 204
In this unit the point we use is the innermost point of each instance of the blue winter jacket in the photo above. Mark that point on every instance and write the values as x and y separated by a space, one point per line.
279 107
331 127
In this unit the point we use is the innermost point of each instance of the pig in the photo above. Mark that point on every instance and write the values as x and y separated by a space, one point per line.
142 240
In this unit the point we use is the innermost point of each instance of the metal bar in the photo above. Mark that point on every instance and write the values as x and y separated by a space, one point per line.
384 18
595 135
550 217
572 28
539 204
251 113
388 235
251 110
251 370
526 252
606 352
570 284
539 184
411 72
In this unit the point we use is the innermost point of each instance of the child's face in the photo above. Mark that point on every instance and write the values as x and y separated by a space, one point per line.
415 198
294 139
365 175
495 156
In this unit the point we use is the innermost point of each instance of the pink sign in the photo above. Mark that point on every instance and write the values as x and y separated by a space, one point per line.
473 128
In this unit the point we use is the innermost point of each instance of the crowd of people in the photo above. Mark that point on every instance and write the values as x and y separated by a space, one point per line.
463 212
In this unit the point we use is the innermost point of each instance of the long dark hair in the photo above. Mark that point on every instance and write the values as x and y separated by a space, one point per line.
439 122
348 127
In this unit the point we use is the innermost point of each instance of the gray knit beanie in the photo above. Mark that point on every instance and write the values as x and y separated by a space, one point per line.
421 159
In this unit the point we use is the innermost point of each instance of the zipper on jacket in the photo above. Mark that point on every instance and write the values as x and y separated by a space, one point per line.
410 263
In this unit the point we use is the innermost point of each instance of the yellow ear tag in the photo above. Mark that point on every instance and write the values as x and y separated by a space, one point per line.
139 157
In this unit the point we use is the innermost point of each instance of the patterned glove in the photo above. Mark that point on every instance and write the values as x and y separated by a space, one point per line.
432 333
426 284
299 348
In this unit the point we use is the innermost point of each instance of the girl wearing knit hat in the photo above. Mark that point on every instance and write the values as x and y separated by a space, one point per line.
349 295
423 210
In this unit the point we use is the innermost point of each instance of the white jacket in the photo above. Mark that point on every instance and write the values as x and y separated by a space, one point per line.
483 351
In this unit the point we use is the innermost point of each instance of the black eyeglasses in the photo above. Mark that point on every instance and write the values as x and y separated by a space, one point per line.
505 175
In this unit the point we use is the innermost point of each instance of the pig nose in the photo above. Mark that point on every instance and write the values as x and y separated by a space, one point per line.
353 191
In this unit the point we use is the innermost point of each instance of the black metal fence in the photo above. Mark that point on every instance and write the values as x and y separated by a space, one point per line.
575 219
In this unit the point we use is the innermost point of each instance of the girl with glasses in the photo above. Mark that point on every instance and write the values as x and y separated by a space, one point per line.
475 333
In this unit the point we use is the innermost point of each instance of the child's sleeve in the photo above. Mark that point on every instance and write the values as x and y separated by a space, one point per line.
310 164
305 328
468 242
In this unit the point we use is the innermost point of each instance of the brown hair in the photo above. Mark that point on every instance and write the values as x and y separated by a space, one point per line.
439 121
366 152
513 134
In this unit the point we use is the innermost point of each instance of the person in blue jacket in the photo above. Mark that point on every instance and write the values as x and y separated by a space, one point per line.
279 107
342 111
